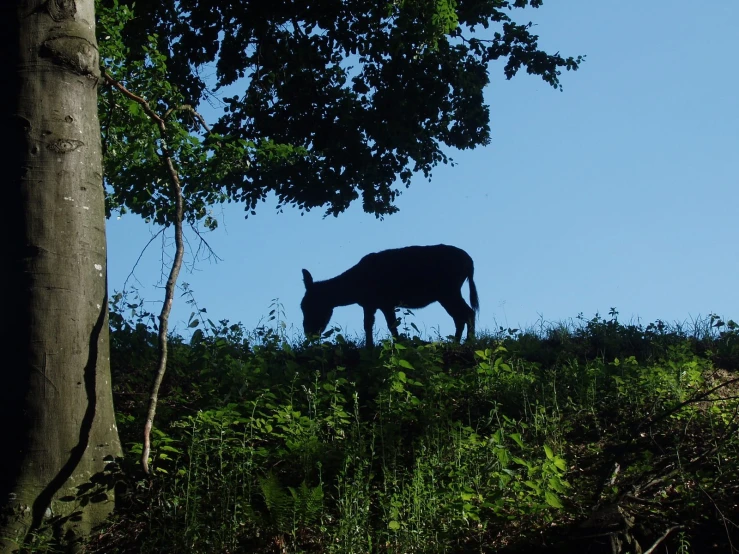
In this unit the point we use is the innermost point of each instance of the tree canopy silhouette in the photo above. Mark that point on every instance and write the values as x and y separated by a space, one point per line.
333 100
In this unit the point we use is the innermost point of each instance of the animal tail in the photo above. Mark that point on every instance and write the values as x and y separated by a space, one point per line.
474 300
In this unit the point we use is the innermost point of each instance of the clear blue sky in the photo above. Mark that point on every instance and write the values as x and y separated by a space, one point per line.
622 191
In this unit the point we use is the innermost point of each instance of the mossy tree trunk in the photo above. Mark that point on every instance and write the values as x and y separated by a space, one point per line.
56 406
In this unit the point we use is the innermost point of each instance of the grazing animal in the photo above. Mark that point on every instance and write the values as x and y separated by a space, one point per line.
411 277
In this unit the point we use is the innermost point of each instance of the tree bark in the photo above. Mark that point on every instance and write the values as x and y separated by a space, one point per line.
56 406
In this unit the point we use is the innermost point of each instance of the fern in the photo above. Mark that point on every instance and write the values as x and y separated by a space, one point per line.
307 503
293 509
279 503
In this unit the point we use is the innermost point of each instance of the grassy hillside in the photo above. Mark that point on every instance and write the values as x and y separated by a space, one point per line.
591 436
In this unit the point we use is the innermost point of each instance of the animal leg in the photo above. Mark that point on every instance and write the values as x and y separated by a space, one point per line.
471 325
462 315
369 323
392 321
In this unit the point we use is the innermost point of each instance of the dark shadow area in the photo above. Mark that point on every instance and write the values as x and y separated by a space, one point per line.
14 323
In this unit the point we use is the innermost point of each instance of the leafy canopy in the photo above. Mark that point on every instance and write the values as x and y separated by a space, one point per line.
336 99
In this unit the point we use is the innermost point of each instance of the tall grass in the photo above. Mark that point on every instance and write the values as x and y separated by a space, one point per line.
523 438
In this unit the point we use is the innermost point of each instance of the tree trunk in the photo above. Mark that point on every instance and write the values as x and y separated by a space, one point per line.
56 406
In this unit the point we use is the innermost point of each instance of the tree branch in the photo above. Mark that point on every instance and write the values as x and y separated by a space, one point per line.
141 254
675 409
662 538
176 193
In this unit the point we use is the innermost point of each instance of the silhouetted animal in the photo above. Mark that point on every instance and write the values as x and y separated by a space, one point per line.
411 277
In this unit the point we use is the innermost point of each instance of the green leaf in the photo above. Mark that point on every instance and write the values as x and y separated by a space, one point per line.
394 525
548 452
556 485
560 463
520 461
517 438
405 363
553 500
533 486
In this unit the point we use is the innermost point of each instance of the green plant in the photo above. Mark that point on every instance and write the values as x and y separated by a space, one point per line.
429 447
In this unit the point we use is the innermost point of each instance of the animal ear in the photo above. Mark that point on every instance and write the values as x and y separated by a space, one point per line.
307 278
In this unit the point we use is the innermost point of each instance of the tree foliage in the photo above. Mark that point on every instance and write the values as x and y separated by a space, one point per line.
135 146
335 100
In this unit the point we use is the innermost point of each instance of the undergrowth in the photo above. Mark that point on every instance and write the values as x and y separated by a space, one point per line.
592 436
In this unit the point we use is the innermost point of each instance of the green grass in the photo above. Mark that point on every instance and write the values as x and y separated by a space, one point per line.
567 437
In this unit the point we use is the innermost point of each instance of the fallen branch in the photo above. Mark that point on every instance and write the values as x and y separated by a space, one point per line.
675 409
662 538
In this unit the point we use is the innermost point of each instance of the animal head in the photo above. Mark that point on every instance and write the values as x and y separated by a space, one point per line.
316 310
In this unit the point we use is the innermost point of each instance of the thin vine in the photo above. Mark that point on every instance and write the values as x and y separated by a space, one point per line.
176 192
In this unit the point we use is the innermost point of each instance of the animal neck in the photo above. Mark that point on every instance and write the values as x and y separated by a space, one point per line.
338 291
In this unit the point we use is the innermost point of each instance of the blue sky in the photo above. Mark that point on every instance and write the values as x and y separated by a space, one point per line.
622 191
